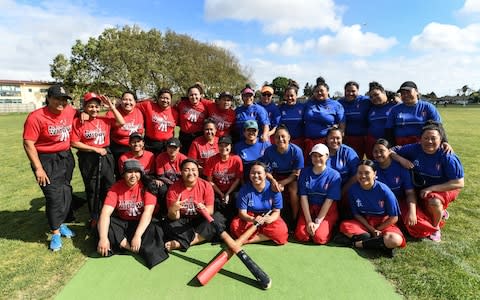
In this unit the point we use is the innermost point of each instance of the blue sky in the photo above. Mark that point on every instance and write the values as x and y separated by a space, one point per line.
434 43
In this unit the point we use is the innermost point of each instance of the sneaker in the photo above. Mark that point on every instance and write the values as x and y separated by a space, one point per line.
66 232
56 242
436 236
445 215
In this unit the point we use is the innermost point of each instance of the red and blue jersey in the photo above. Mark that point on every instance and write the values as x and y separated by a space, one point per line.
377 118
436 168
292 117
283 163
396 177
273 113
356 115
345 161
377 201
251 200
408 120
319 116
318 187
252 112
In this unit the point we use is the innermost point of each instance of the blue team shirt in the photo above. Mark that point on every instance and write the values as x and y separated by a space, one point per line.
356 115
436 168
292 117
345 161
409 120
319 116
283 163
318 187
273 113
250 153
377 119
377 201
251 200
397 178
253 112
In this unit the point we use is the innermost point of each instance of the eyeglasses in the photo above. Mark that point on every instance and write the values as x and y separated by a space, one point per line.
266 94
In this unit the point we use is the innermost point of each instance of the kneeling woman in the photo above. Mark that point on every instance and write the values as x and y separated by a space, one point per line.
185 226
130 228
319 188
254 199
375 211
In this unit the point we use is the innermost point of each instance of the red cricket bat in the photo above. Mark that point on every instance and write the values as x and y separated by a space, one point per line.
216 264
262 277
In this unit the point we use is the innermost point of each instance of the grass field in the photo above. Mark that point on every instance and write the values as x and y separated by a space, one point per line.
424 270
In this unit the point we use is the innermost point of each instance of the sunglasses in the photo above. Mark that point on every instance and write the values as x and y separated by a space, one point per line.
266 94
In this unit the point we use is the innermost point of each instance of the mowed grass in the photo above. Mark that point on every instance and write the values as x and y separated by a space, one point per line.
424 270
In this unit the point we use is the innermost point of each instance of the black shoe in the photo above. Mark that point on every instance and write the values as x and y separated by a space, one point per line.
342 239
390 252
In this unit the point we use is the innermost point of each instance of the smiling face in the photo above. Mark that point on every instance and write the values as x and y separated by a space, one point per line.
290 97
92 108
378 97
136 145
224 103
250 135
209 131
172 151
257 175
366 176
409 96
334 140
164 100
430 141
128 102
351 92
247 99
282 139
57 105
381 154
321 93
224 149
132 177
266 98
319 161
189 173
194 96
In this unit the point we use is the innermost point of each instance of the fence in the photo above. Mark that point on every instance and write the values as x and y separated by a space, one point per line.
16 107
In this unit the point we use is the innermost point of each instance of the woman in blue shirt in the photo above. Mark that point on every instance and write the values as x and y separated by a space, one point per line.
291 114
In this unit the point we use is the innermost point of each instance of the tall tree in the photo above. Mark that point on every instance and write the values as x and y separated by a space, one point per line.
308 90
130 58
279 84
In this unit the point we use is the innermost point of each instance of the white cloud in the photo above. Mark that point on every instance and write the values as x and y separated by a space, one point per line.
33 35
351 40
289 47
470 7
445 37
278 16
229 45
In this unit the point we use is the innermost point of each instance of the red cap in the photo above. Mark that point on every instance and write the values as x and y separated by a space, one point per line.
90 96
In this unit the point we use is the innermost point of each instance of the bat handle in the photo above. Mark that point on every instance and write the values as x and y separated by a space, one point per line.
260 275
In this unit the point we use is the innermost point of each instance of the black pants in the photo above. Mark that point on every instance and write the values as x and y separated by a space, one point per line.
156 147
58 194
89 163
117 151
186 140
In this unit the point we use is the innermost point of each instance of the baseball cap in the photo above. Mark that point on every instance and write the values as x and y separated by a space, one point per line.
135 135
247 91
320 149
225 94
173 142
132 165
250 124
225 140
58 91
90 96
407 85
267 89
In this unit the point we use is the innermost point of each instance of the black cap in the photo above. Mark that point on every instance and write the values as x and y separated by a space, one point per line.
135 135
173 142
58 91
407 85
225 140
225 94
132 165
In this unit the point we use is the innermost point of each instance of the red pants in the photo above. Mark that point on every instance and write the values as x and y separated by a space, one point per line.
354 227
358 143
423 228
309 143
276 231
403 140
445 197
370 142
324 231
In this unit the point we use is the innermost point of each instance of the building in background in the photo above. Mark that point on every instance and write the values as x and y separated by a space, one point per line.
21 95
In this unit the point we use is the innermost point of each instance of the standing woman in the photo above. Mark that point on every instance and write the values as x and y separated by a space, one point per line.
266 96
377 116
185 226
284 162
120 134
321 113
356 117
191 115
405 121
224 171
375 212
205 146
291 114
319 189
160 121
399 180
46 140
251 111
222 114
254 199
441 174
95 161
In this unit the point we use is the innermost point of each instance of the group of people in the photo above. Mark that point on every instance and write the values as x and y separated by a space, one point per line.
374 167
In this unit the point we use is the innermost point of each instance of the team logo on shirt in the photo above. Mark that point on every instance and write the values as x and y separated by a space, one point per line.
416 163
220 122
192 115
359 202
62 130
437 166
207 153
326 186
223 177
162 122
424 113
97 134
381 203
131 127
397 179
132 207
189 207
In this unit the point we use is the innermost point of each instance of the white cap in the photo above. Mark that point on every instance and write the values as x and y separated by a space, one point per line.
320 149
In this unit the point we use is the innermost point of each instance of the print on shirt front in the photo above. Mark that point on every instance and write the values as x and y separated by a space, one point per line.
61 130
162 122
131 207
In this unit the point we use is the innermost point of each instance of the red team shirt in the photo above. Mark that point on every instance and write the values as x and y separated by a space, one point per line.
171 169
95 132
201 149
147 160
223 118
133 123
160 123
191 117
129 202
202 192
49 131
224 173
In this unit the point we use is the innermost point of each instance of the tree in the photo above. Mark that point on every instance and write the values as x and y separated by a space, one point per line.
279 84
144 61
308 90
